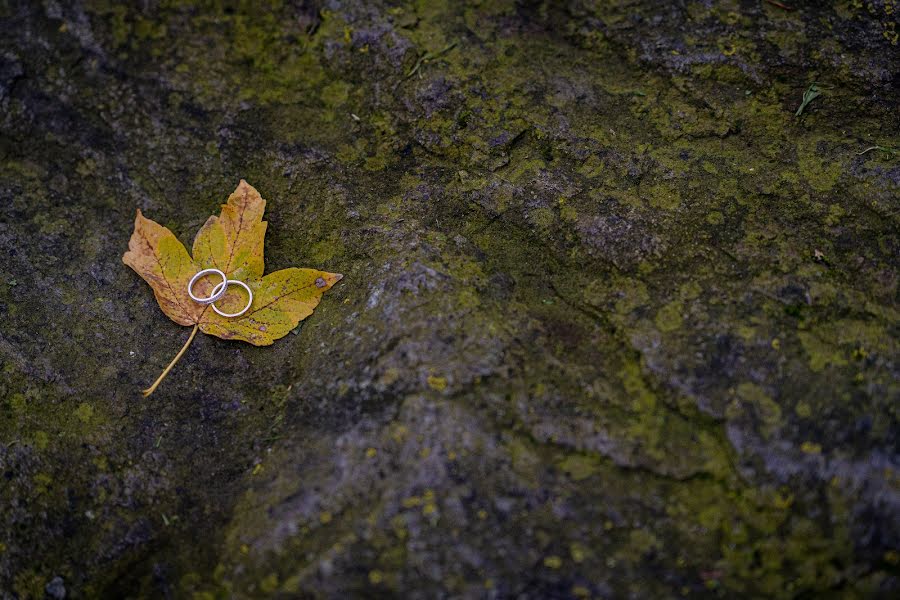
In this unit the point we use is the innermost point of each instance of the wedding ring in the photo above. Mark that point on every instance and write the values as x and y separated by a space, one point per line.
216 293
224 285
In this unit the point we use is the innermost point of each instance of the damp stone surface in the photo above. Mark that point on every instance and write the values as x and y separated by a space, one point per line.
615 322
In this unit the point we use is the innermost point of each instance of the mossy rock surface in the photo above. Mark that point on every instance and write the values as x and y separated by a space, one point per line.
614 322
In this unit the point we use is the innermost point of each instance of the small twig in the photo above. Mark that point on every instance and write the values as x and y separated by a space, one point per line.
162 376
428 56
780 5
884 149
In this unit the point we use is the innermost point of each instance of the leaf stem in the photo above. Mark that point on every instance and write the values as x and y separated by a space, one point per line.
162 375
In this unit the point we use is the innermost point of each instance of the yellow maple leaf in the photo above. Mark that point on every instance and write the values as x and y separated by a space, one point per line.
232 243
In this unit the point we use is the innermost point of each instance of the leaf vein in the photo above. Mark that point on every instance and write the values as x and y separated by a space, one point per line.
163 273
256 310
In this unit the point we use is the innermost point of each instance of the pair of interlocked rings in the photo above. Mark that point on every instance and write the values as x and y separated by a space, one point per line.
219 291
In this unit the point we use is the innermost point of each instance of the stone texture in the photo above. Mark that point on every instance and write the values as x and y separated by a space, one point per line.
614 322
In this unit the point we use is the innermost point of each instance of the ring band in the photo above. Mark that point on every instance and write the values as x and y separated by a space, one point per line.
216 293
224 286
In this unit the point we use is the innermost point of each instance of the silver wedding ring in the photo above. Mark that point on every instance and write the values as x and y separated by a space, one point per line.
219 291
216 293
249 298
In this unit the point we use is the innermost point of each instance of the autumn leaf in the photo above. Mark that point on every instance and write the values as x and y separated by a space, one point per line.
232 243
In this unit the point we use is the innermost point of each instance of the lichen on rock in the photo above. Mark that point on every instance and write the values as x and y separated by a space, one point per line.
615 322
